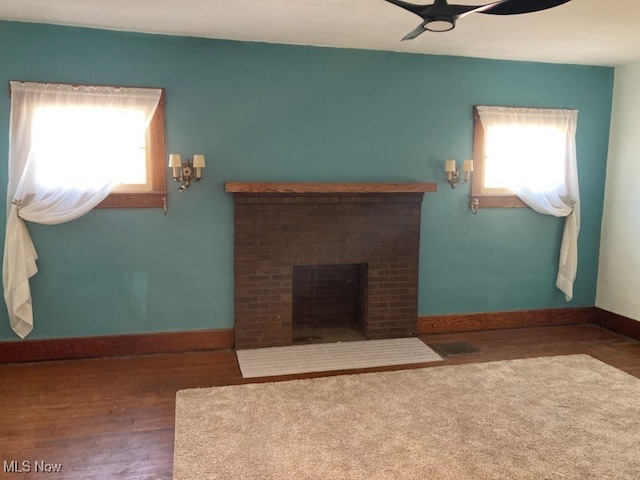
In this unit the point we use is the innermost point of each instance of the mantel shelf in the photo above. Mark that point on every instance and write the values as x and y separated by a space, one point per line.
328 188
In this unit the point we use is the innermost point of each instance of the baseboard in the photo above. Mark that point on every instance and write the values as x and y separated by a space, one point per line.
223 339
115 345
617 323
468 322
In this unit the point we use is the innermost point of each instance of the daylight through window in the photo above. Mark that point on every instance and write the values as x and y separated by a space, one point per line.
74 153
520 155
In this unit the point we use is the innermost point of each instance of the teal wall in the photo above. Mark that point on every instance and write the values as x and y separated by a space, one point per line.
289 113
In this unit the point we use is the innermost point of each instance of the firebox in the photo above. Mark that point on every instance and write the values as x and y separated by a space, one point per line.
329 302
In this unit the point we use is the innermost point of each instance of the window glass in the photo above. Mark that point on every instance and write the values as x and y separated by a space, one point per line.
72 151
518 155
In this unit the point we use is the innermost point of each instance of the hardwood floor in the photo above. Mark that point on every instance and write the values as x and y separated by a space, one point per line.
113 418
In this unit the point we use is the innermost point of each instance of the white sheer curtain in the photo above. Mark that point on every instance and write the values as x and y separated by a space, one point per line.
43 158
549 194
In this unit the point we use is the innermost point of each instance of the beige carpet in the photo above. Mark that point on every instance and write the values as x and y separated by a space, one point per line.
568 417
326 357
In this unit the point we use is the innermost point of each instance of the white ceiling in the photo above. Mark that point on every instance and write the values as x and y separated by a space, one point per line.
588 32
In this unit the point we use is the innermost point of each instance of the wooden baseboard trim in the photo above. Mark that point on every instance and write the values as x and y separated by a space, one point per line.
617 323
115 345
468 322
223 339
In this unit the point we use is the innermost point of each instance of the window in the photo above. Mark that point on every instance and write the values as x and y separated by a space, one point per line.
516 149
77 143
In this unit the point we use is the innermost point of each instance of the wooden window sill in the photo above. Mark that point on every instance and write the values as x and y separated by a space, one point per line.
498 201
135 200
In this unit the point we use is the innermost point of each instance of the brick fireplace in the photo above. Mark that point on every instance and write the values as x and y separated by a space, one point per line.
358 244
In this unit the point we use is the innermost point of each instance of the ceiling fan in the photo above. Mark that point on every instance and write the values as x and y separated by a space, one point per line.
441 17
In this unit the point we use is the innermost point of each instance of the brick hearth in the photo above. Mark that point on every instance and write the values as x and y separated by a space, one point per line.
279 227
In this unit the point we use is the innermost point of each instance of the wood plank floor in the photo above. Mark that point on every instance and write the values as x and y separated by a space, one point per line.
113 418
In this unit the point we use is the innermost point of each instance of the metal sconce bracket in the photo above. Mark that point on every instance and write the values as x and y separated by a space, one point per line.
475 205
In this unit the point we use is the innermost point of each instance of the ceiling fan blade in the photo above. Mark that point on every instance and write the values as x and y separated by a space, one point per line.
466 10
514 7
419 30
408 6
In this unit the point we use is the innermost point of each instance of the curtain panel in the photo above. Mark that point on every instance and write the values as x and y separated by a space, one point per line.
30 199
562 200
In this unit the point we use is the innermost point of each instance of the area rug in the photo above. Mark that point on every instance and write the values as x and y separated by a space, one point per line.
325 357
569 417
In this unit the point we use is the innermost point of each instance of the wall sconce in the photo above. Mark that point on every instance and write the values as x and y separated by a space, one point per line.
453 174
183 171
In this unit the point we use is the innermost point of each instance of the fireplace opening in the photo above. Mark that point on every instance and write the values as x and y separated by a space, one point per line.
329 303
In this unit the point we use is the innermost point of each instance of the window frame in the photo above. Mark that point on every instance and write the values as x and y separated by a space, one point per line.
493 199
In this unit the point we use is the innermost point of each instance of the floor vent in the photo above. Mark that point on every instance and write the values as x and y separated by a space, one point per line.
455 348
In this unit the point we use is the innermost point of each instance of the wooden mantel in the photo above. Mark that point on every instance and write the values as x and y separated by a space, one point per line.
330 188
